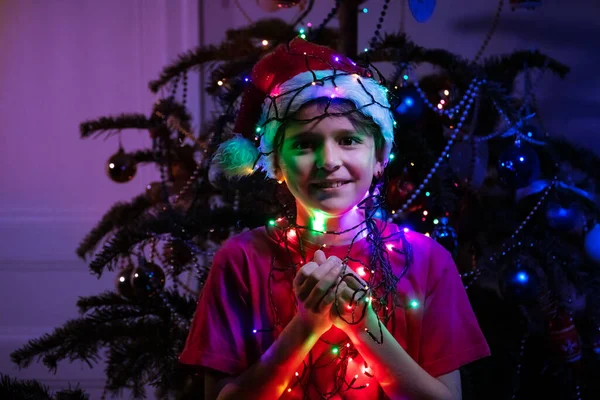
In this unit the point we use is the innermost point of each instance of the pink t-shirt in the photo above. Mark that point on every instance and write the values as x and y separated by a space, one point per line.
433 320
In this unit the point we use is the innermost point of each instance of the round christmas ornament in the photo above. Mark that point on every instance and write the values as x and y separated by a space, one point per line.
445 235
520 284
154 192
409 105
592 243
177 252
274 5
121 167
564 337
518 165
596 343
398 192
147 279
421 10
564 218
123 282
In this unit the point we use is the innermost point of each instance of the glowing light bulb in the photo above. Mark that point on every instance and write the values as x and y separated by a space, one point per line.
350 359
335 350
392 156
406 230
292 233
361 271
337 59
111 165
442 101
220 83
297 374
265 42
427 234
253 330
365 10
272 222
436 221
439 106
289 389
347 344
425 212
414 304
446 92
356 376
318 221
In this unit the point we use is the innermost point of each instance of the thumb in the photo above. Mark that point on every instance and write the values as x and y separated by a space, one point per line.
319 257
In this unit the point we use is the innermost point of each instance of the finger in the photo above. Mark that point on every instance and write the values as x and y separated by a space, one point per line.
304 272
324 284
313 280
353 280
327 300
319 257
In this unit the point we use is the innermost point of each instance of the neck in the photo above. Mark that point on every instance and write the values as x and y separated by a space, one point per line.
318 222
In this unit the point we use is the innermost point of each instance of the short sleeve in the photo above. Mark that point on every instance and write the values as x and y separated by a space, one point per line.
451 336
220 333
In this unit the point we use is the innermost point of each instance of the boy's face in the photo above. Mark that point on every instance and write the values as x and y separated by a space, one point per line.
327 164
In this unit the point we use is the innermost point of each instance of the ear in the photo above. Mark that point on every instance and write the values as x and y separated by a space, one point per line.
378 169
278 173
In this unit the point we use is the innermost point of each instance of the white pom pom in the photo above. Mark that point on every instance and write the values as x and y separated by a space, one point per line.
236 157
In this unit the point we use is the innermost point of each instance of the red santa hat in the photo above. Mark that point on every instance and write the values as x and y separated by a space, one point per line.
281 83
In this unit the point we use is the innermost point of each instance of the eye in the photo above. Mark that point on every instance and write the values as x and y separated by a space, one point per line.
302 144
349 141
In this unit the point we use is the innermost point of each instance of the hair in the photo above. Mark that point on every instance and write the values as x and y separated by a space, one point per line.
359 121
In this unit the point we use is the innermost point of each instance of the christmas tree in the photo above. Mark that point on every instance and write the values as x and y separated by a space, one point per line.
474 167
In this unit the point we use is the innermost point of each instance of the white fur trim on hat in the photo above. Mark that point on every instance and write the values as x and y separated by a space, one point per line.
360 90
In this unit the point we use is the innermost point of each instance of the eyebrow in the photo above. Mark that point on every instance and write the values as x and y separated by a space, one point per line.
340 132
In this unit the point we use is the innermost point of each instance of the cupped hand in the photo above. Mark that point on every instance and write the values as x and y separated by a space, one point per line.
314 287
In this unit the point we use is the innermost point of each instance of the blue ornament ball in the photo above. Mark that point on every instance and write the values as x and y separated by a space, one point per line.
518 165
445 235
409 105
563 217
520 285
592 243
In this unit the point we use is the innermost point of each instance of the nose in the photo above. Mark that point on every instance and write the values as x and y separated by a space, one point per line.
329 157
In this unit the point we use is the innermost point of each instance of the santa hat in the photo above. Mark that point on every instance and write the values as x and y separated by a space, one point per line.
281 83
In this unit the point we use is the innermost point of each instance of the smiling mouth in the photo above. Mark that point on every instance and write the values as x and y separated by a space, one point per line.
330 185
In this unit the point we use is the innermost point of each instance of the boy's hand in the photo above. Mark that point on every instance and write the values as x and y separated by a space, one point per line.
350 307
314 287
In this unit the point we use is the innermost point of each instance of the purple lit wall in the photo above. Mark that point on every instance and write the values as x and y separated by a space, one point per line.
64 61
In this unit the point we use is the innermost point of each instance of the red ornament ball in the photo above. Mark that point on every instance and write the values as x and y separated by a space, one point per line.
123 282
121 167
147 279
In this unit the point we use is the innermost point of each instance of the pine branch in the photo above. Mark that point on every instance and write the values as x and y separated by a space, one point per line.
506 68
147 323
120 122
145 156
577 155
399 48
118 216
241 45
15 389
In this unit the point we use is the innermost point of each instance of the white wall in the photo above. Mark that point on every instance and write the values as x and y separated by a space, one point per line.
65 61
